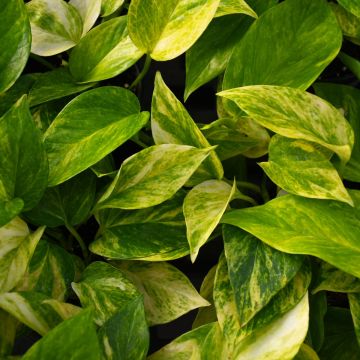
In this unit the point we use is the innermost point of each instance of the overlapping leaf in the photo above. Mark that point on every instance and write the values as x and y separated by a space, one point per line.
108 7
227 7
10 209
89 11
8 327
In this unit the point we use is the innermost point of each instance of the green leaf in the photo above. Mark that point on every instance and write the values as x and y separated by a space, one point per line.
89 11
354 301
50 271
8 326
152 176
17 246
305 27
329 278
108 7
110 113
172 124
318 308
106 51
296 225
36 310
351 5
306 353
66 204
304 168
340 340
154 234
256 271
125 336
10 209
168 293
347 99
205 343
296 114
227 7
204 206
56 26
53 85
167 29
23 163
351 63
104 288
15 40
73 339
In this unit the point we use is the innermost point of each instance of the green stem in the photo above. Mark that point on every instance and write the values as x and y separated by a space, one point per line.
80 241
42 61
248 185
143 72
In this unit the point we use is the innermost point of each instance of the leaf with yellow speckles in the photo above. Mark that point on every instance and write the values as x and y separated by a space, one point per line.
227 7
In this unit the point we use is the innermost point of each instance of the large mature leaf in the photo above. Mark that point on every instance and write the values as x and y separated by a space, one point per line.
15 40
304 39
125 336
204 206
256 271
172 124
17 246
89 11
36 310
203 343
304 168
75 140
340 339
50 272
153 234
66 204
168 293
106 51
307 226
56 26
227 7
53 85
9 209
73 339
152 176
167 29
108 7
351 5
8 326
23 163
347 98
296 114
104 288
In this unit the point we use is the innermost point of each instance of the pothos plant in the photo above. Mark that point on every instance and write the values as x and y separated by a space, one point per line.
91 290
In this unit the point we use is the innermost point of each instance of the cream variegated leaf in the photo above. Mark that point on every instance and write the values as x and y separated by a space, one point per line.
152 176
167 29
36 310
89 11
204 206
296 114
56 26
303 168
172 124
17 246
168 293
227 7
106 289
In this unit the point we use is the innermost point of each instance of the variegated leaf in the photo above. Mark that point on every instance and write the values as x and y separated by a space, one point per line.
36 310
299 225
304 39
56 26
108 7
296 114
204 342
167 29
15 40
152 176
227 7
104 288
10 209
50 272
306 353
256 271
172 124
17 246
204 206
89 11
73 339
8 326
354 301
304 168
106 51
153 234
125 336
351 5
107 112
168 293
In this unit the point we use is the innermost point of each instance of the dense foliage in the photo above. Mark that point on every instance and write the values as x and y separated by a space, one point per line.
97 197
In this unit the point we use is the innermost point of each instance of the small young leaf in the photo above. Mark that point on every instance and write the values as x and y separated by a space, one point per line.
227 7
89 11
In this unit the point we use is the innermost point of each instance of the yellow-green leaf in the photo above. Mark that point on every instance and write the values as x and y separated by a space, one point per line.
227 7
